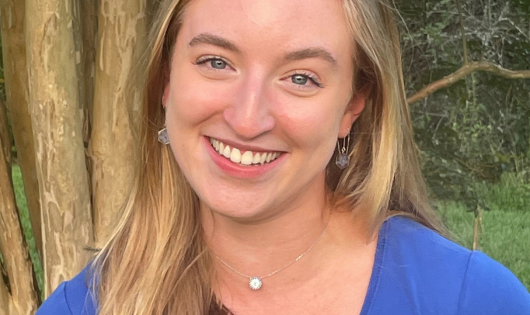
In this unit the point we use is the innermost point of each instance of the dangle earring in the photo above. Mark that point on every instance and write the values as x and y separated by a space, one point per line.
343 159
162 135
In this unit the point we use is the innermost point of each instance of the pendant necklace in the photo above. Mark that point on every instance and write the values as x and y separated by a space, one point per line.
255 283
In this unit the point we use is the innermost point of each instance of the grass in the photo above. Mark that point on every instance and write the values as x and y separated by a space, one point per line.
505 234
505 229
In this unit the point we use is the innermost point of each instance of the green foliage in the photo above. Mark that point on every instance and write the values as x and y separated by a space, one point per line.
478 128
510 194
26 225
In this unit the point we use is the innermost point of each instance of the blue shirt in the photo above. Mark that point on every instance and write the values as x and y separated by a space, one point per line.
416 271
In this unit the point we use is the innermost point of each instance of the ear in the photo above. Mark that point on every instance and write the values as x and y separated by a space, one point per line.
165 96
354 109
167 78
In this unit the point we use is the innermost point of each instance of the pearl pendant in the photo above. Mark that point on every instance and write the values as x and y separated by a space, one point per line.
255 283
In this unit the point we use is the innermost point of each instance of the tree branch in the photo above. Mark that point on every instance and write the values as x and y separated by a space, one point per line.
463 72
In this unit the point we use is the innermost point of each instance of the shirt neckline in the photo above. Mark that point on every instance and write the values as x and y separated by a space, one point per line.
376 269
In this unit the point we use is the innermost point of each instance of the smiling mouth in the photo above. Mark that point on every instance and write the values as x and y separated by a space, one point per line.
246 158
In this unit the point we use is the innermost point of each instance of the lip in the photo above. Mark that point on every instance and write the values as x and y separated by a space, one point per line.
240 171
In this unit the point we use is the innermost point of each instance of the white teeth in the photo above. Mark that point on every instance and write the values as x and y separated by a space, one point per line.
256 159
226 152
247 158
263 158
235 156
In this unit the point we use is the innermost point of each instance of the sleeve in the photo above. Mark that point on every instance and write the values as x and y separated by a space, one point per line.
56 303
489 288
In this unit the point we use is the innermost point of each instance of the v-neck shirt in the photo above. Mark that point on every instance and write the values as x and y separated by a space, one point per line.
416 271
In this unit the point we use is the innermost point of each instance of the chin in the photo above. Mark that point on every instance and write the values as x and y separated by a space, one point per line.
247 209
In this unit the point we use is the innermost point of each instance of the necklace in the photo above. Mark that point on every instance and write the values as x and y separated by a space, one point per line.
255 283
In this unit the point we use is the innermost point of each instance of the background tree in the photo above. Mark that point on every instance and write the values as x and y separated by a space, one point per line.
57 120
73 118
122 35
19 293
478 128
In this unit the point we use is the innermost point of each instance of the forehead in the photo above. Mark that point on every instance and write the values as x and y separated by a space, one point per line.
273 25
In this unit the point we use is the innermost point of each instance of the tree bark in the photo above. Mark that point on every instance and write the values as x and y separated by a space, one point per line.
17 295
463 72
16 86
121 39
88 22
4 136
4 298
57 117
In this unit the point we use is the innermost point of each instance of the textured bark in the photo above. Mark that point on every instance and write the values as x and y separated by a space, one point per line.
4 299
17 295
16 84
88 24
121 38
4 135
57 117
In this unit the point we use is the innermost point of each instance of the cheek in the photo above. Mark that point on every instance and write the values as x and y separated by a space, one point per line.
193 99
309 123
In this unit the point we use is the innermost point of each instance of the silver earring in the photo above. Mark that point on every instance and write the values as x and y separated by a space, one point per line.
343 159
162 136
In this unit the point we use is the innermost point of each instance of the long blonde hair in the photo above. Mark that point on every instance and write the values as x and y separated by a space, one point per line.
157 263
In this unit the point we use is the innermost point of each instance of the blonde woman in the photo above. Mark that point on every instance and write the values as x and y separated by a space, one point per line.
278 176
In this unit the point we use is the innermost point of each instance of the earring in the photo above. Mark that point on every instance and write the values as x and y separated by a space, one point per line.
343 159
162 136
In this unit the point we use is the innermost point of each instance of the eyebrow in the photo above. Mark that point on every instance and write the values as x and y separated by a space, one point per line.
306 53
314 52
210 39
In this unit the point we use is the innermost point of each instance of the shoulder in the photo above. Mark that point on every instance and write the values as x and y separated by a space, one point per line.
418 270
490 288
70 298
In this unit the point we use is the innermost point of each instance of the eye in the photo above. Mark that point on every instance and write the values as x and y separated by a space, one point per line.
305 79
212 62
299 79
218 64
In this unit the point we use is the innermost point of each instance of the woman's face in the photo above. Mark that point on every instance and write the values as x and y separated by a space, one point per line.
259 92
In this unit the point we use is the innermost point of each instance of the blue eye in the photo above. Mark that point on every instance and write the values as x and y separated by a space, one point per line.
299 79
218 64
305 79
212 62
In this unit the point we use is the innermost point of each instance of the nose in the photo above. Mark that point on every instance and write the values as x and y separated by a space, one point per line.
250 114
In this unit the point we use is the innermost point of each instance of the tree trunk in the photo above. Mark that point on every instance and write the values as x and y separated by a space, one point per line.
16 87
57 117
88 22
121 39
17 294
4 136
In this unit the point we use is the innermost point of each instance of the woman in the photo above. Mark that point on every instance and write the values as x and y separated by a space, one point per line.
286 180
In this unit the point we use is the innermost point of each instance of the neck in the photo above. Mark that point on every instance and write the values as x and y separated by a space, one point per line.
259 247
